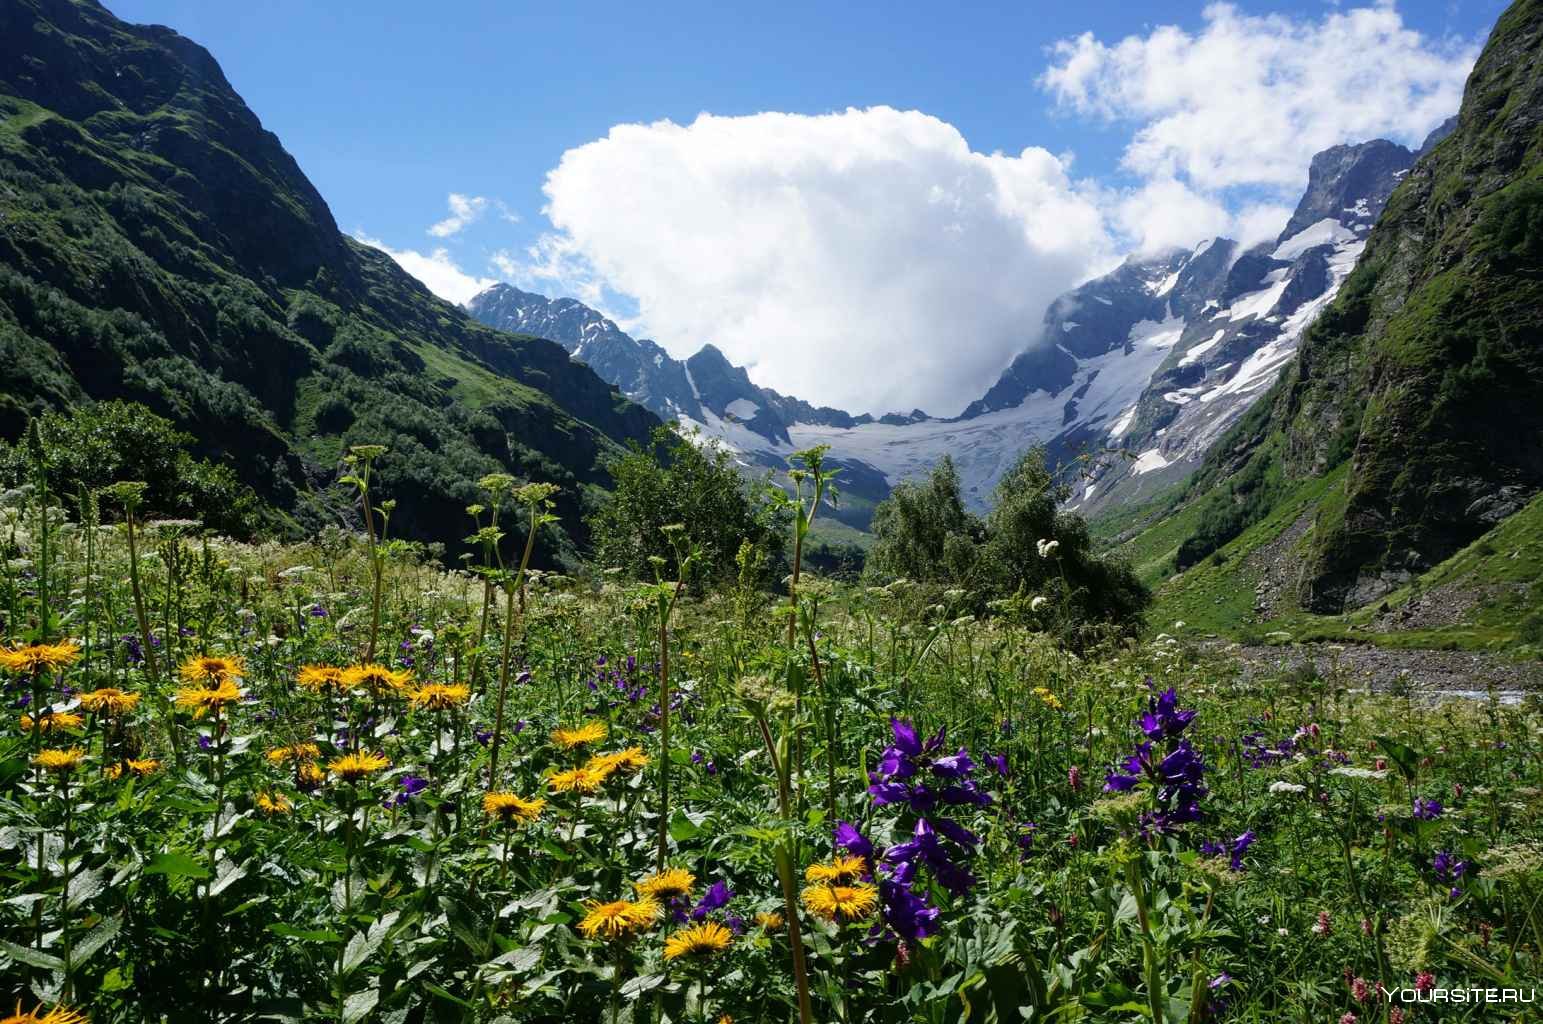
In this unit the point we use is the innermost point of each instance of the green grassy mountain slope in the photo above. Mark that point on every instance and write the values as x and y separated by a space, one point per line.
157 244
1411 423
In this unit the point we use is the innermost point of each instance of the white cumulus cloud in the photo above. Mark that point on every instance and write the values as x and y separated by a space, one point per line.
437 270
867 259
1249 99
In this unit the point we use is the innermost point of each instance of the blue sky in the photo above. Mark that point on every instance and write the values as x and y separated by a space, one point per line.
392 106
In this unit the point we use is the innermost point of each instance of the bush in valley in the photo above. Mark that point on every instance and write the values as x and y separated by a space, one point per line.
1026 547
677 480
92 446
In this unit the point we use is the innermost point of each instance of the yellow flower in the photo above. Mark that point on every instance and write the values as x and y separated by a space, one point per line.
320 677
840 870
699 940
618 919
1049 699
310 775
60 1014
143 766
273 803
298 752
627 762
211 671
579 780
109 700
769 921
36 657
441 696
200 700
841 902
508 807
378 679
666 885
51 721
353 767
589 732
60 760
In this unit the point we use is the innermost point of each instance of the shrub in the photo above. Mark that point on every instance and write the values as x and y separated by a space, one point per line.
677 480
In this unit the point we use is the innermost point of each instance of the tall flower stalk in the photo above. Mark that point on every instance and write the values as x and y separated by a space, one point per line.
666 594
537 501
361 459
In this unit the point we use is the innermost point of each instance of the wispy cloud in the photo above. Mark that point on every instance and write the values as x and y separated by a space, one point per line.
436 269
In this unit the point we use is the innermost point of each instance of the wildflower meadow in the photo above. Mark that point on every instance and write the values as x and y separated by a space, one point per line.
348 780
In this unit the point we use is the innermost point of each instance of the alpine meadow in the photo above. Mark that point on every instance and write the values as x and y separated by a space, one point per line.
488 635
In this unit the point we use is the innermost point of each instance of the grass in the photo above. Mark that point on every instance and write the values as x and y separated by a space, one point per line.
228 860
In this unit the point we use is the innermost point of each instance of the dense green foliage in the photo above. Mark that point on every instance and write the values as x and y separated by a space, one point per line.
91 447
674 480
159 246
244 839
1026 548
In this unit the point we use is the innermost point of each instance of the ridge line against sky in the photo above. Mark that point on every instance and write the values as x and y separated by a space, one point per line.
816 242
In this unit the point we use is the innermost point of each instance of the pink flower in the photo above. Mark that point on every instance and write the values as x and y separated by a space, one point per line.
1071 841
1424 981
1366 926
1396 1015
1360 990
1074 777
1324 926
1348 1018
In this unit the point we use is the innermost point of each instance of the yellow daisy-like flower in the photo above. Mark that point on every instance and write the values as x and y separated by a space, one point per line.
619 919
310 774
211 671
60 760
36 657
52 721
60 1014
298 752
1049 699
511 807
353 767
841 902
698 941
273 803
378 679
839 871
109 700
575 780
626 762
769 921
140 768
201 700
589 732
441 696
321 677
666 885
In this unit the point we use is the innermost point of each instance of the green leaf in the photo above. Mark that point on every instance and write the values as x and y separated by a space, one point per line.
26 955
176 864
358 1006
682 827
1405 758
95 939
289 931
643 983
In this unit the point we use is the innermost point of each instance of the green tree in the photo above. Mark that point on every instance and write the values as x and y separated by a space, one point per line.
1035 548
677 480
92 446
1027 547
924 533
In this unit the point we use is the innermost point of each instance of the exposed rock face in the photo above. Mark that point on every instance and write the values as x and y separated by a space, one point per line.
1424 377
